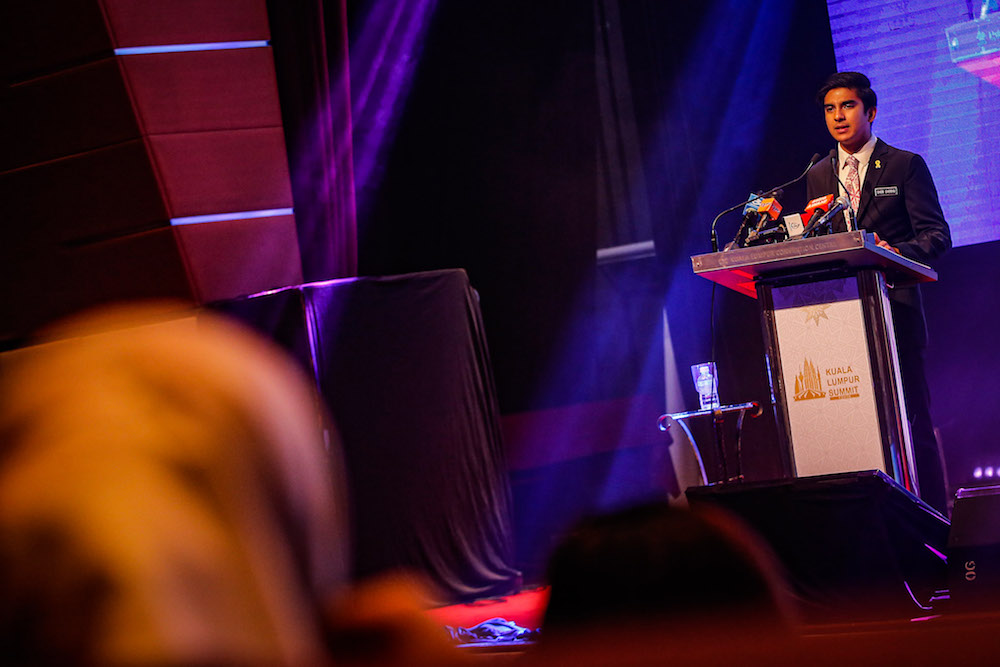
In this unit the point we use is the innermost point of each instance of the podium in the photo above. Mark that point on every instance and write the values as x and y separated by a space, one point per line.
830 349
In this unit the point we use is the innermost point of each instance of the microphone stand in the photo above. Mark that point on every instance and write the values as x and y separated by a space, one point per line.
715 236
770 193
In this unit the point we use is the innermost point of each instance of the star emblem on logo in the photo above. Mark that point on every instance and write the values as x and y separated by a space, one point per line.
814 313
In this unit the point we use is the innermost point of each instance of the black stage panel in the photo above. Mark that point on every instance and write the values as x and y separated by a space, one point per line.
974 549
403 366
279 316
854 546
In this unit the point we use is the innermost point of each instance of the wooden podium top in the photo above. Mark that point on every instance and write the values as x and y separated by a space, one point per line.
742 268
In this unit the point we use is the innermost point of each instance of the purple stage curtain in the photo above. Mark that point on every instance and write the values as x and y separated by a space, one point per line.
310 46
403 365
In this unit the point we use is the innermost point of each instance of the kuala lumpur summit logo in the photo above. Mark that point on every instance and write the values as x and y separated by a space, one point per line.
809 382
841 382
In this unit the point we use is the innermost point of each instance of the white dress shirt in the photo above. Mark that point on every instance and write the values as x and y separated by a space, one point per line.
864 156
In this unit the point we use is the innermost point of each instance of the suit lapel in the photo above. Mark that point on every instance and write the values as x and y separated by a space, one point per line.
876 167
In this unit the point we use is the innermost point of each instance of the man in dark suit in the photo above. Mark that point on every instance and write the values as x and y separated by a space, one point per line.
893 196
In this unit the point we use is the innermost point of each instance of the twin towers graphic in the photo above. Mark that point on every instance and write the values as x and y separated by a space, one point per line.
808 383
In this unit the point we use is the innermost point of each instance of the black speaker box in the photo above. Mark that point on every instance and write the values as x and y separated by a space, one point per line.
854 546
974 549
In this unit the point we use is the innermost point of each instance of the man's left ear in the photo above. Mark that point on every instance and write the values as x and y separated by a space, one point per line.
871 114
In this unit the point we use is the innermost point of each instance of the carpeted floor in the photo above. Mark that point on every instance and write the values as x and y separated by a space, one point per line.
525 609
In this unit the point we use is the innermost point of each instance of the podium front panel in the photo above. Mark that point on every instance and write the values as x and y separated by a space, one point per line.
830 345
827 374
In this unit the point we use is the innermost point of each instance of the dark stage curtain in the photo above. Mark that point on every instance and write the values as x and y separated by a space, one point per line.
403 365
492 167
309 40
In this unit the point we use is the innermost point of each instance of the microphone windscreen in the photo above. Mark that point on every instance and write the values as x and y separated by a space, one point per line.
771 207
795 223
753 201
818 203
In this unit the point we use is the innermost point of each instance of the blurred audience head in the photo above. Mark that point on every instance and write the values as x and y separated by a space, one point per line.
654 563
167 496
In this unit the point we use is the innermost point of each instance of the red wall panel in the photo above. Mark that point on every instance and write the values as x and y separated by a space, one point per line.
52 281
42 35
104 150
155 22
70 111
239 257
106 192
115 99
221 172
208 90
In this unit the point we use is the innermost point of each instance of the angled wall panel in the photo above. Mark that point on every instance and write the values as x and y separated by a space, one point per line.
52 281
108 150
203 173
203 91
154 22
67 112
102 192
48 35
237 256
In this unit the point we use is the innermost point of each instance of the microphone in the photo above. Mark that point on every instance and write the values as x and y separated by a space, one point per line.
794 225
715 238
769 209
753 201
767 212
820 203
813 211
843 202
749 218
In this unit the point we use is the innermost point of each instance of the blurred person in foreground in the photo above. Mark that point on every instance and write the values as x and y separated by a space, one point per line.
167 497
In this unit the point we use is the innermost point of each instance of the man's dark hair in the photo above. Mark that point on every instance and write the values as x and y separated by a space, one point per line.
856 81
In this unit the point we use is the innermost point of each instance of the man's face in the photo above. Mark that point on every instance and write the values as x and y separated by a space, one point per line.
847 119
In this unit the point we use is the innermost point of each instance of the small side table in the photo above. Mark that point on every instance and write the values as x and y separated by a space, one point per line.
718 415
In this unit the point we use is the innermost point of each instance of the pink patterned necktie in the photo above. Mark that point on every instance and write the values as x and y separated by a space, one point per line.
853 181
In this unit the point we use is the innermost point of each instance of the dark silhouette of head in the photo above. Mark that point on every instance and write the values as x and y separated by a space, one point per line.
656 562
